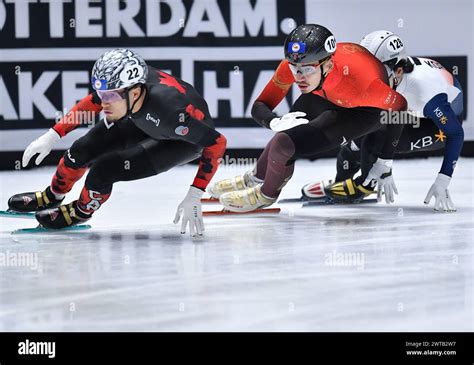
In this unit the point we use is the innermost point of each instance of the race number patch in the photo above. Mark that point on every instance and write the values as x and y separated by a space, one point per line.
330 44
131 74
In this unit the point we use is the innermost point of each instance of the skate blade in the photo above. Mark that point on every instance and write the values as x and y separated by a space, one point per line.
329 202
12 214
228 212
209 200
41 229
301 199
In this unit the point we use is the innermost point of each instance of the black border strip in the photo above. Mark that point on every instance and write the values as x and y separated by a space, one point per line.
244 348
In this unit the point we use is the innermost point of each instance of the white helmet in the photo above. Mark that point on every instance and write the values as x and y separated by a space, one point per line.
386 46
119 68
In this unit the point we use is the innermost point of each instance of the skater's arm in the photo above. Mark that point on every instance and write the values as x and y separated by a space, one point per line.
76 116
210 158
262 114
440 112
197 128
380 95
213 144
272 95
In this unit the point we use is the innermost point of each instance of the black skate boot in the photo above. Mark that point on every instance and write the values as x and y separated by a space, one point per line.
33 202
347 192
61 217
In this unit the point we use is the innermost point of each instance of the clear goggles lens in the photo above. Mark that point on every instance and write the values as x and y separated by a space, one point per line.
304 70
111 96
307 69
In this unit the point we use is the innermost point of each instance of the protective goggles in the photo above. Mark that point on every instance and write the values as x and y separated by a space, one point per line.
306 69
112 96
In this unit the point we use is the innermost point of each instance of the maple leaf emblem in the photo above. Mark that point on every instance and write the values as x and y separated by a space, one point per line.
170 81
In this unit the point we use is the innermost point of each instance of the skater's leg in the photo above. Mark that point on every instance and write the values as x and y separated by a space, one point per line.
424 136
261 167
321 134
348 162
137 162
289 145
101 139
65 177
327 131
370 147
313 106
279 167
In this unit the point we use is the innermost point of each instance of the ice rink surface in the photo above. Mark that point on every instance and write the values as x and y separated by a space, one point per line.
370 267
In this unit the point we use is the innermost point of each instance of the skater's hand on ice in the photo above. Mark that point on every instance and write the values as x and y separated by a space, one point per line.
288 121
41 145
381 172
440 191
191 210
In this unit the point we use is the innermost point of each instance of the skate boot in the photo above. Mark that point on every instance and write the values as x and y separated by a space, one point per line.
241 182
245 200
62 216
33 202
347 192
315 191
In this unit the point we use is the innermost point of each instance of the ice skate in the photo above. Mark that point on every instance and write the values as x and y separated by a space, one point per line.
315 191
61 217
241 182
245 200
347 192
33 201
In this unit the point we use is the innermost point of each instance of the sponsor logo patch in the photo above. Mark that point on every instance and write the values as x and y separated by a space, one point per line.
181 130
53 214
440 137
70 157
156 121
99 84
26 200
296 47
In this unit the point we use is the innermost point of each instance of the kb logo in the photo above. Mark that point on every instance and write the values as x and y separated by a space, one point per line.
422 143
